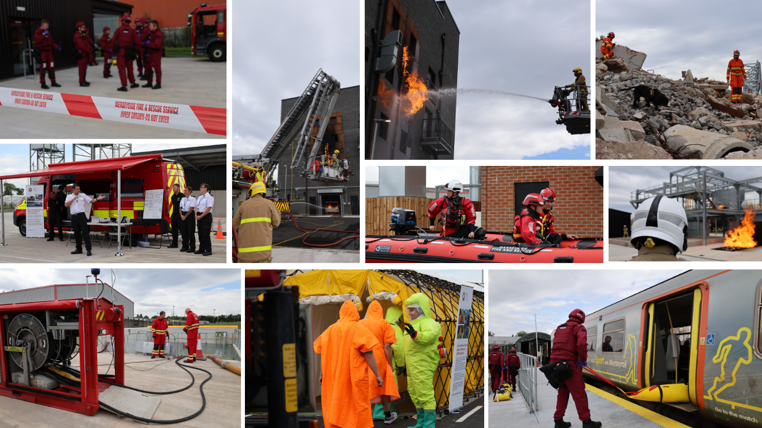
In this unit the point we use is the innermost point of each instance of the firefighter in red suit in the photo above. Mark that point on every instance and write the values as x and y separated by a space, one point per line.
513 363
458 213
159 330
125 48
549 197
495 368
153 46
191 329
570 345
527 227
141 29
83 48
43 41
91 58
107 48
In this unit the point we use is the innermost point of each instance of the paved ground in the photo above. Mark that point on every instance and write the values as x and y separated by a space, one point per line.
20 249
470 416
223 398
314 255
700 253
612 411
190 81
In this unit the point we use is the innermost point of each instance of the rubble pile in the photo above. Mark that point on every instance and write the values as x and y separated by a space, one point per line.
699 122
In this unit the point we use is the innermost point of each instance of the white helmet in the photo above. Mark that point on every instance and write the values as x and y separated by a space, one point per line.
454 185
662 218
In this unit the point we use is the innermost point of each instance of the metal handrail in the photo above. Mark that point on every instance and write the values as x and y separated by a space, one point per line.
527 380
32 61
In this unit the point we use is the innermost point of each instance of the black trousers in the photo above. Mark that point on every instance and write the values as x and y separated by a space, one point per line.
188 230
176 221
204 233
54 221
79 224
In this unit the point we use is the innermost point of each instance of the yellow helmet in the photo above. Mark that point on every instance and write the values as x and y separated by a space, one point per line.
257 187
577 70
336 151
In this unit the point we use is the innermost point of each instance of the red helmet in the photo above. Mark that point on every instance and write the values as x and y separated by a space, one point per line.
512 351
735 52
126 18
548 194
577 314
611 34
80 24
495 347
533 199
106 29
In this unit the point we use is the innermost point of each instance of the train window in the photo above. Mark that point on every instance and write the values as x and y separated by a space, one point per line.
592 338
613 336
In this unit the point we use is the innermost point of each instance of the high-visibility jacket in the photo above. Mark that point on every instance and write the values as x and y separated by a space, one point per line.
455 213
736 73
159 330
254 222
581 82
191 325
607 47
528 227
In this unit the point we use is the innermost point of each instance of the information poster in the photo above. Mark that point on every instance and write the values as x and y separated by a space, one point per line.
153 204
35 211
460 353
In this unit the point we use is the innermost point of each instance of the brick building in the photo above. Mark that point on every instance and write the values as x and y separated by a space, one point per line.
579 206
431 39
343 134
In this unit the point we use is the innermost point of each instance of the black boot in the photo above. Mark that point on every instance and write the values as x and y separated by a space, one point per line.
44 86
54 84
79 251
561 424
157 86
591 424
140 75
135 85
84 77
122 89
148 85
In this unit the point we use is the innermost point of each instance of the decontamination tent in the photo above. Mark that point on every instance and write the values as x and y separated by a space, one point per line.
326 290
83 167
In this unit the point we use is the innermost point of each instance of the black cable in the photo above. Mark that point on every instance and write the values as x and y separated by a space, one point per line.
172 421
162 393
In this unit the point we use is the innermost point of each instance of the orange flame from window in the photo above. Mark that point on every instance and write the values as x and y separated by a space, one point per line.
416 88
743 235
385 94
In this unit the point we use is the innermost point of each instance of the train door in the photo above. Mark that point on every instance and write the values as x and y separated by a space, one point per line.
22 39
671 341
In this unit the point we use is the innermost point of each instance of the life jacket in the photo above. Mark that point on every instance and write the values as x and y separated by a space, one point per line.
547 223
517 225
453 213
496 359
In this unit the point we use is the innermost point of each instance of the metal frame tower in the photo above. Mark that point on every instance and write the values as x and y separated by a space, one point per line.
82 152
42 155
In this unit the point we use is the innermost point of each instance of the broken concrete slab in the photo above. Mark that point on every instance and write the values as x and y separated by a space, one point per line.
688 76
633 59
744 125
606 101
612 131
740 135
616 65
710 145
633 150
636 131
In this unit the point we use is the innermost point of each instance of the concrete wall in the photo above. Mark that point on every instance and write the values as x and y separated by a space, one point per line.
348 105
427 20
578 210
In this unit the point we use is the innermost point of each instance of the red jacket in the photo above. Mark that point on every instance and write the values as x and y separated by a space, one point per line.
143 34
43 42
159 327
528 227
191 325
125 36
157 41
569 342
444 205
495 360
106 44
81 44
512 359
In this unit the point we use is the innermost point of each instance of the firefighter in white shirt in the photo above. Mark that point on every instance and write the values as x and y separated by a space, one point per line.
188 217
204 206
76 204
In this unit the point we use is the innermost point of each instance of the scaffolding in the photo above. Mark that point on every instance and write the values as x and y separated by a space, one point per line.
753 81
706 194
43 155
83 152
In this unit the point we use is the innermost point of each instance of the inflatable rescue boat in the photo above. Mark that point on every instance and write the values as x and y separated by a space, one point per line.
495 248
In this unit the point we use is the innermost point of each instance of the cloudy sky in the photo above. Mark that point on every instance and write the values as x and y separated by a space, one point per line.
152 290
678 35
515 299
14 158
276 58
626 179
523 47
435 175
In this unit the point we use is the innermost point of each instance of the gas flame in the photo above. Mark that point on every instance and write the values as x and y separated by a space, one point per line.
416 88
743 235
385 94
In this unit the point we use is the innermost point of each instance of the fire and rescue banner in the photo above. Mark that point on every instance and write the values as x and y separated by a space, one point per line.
208 120
35 211
460 353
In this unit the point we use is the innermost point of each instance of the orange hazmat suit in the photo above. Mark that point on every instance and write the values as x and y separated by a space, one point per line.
346 381
384 333
736 74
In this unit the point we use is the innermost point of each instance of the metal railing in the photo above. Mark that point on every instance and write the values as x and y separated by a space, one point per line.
29 53
753 81
527 380
438 131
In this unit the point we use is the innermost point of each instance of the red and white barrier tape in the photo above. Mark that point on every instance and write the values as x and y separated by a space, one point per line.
208 120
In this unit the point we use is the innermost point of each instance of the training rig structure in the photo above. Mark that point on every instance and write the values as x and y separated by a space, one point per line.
40 339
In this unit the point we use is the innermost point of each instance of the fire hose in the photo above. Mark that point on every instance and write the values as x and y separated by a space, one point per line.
224 364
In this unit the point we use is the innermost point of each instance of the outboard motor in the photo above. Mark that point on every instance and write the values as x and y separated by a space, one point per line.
403 222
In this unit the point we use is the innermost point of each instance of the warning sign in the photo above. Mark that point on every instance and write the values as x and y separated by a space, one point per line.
289 360
291 401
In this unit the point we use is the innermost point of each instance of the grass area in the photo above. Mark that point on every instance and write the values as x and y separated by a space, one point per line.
177 51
